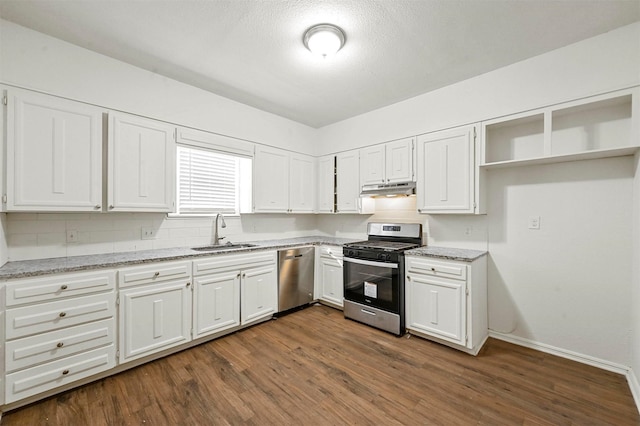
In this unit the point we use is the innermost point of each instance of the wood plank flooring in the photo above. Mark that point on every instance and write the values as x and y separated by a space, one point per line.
313 367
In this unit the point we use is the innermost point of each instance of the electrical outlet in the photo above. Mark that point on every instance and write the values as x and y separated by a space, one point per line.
148 233
534 222
72 236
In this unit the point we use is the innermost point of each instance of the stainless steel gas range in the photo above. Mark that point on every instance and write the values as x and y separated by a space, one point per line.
374 275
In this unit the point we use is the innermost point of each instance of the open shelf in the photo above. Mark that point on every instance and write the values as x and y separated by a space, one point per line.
596 127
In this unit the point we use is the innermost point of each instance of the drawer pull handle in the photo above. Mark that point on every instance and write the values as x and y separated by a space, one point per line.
65 372
157 274
63 287
59 345
62 314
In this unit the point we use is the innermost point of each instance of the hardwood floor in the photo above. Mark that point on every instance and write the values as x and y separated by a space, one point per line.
315 367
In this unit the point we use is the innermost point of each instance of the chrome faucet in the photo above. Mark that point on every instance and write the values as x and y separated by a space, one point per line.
216 239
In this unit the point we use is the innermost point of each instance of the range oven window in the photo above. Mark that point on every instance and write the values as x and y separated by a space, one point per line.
372 283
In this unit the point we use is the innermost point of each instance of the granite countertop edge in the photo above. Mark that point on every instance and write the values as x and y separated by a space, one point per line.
38 267
448 253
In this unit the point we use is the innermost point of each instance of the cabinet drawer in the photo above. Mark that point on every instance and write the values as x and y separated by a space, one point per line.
227 262
428 266
331 252
28 351
154 273
57 287
51 375
46 317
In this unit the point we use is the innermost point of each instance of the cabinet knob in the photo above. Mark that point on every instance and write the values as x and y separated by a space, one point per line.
156 275
188 284
62 314
433 269
65 372
244 275
238 276
111 207
63 287
408 278
98 207
59 345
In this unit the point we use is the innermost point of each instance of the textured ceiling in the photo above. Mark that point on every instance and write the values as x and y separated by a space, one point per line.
251 50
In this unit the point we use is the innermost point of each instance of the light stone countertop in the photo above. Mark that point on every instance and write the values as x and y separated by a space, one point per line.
32 268
37 267
448 253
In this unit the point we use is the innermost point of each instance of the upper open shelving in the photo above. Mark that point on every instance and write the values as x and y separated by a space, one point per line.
596 127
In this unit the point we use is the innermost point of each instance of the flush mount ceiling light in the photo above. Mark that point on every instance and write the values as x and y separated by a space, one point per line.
324 39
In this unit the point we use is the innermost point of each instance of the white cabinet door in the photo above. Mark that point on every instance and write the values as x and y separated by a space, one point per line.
446 171
259 294
54 154
437 307
326 184
216 301
331 280
399 161
348 181
372 165
270 180
141 164
154 318
302 183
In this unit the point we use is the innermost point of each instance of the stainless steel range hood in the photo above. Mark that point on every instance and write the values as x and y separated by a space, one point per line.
388 189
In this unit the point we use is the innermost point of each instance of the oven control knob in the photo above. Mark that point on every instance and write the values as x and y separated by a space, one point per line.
350 252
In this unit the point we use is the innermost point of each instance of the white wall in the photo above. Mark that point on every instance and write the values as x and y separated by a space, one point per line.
566 287
635 284
39 62
599 64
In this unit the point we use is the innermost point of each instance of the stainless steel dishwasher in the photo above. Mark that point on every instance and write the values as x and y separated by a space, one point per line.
295 277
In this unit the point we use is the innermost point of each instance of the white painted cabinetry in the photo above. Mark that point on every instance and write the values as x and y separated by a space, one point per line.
246 283
449 179
447 301
329 278
283 182
154 307
141 164
391 162
58 330
326 194
54 153
348 185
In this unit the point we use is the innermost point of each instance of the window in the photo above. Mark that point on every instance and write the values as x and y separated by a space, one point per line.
210 182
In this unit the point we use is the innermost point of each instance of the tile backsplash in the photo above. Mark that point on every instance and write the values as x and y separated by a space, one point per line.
45 235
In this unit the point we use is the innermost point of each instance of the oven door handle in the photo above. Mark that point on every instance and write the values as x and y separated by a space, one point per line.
370 263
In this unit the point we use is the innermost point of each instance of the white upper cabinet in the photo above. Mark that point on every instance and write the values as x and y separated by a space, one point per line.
270 180
302 183
348 182
326 184
54 153
372 165
391 162
141 164
283 182
448 176
595 127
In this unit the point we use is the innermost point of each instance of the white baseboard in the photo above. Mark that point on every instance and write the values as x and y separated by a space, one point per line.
563 353
634 386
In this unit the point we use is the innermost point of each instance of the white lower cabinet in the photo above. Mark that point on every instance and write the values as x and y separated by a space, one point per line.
216 302
58 330
329 278
447 301
154 316
234 290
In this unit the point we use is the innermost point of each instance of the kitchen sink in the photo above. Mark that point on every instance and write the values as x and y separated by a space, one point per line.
222 247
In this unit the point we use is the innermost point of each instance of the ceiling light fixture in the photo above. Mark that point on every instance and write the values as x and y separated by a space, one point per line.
324 39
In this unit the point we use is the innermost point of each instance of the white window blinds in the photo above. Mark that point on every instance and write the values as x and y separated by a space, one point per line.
208 182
